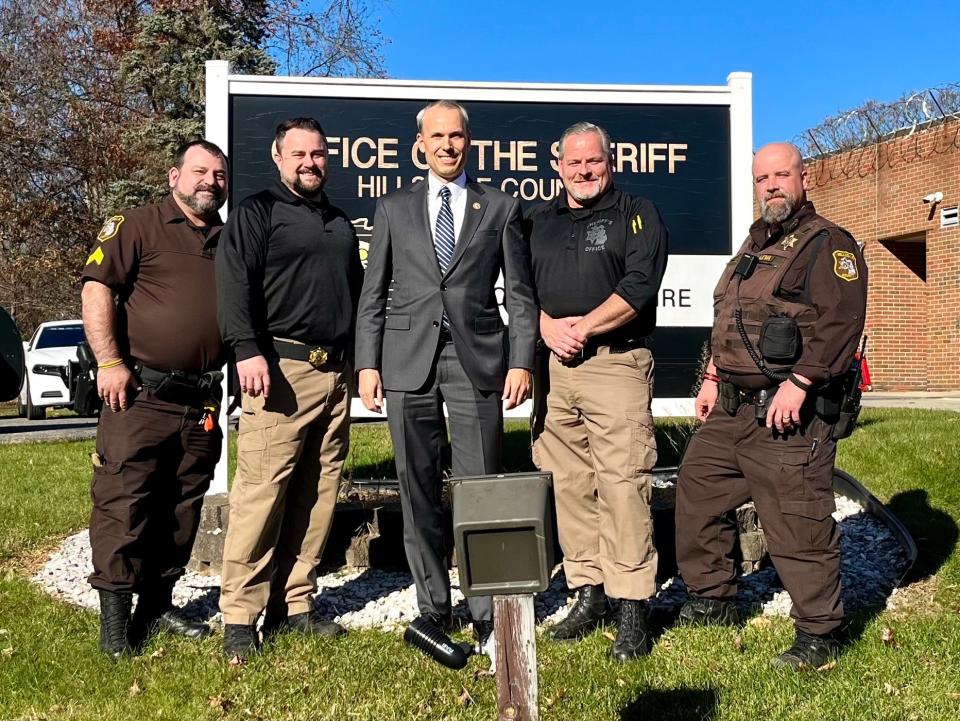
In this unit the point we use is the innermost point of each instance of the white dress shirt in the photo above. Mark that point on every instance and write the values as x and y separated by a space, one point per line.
458 202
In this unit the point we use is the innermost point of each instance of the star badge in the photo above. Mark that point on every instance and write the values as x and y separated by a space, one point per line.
788 242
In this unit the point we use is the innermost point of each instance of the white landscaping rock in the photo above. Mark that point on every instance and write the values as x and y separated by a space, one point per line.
872 562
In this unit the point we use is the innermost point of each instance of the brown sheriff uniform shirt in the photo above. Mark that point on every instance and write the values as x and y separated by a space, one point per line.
813 278
162 269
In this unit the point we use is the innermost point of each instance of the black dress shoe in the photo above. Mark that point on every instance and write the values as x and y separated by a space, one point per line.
591 610
809 651
240 640
633 638
114 623
482 631
701 611
443 621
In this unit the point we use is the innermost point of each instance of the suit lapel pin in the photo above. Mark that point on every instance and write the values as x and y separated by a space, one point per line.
476 206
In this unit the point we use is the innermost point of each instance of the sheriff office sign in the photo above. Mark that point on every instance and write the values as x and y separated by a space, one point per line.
687 148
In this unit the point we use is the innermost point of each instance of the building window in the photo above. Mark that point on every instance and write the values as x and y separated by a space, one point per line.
912 252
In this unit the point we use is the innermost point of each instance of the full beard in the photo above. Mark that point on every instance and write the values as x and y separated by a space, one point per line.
204 207
778 212
305 191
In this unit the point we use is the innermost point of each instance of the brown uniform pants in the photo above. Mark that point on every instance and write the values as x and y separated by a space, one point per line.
598 442
290 453
732 459
152 467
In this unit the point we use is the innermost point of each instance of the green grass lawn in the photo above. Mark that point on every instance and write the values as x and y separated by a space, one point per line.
50 668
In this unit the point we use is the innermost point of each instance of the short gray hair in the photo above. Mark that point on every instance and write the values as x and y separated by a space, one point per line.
585 126
450 105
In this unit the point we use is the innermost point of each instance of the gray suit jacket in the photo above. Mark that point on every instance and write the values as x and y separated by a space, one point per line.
401 342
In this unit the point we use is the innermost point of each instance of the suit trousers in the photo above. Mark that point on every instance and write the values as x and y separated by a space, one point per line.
419 434
597 439
733 459
152 467
290 453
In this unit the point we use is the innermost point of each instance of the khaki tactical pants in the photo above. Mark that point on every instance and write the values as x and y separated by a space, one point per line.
598 442
290 453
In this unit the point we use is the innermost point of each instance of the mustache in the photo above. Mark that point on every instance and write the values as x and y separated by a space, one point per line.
216 190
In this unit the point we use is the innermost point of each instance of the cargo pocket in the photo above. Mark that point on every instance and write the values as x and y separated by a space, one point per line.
253 446
107 486
643 444
808 525
805 508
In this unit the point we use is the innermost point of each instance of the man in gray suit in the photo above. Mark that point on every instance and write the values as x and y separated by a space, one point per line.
443 243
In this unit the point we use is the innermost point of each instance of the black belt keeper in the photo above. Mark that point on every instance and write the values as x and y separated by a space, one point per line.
321 357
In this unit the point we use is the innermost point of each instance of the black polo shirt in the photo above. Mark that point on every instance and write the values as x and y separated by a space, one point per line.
581 256
162 269
287 267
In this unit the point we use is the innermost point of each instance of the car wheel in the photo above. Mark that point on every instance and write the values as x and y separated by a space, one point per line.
34 413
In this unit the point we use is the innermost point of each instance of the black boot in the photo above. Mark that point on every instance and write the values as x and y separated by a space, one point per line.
307 623
114 623
808 651
590 611
155 612
311 624
240 640
633 638
700 611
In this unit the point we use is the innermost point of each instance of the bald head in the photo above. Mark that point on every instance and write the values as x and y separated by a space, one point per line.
779 181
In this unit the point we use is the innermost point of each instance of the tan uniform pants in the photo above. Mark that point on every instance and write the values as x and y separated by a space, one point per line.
598 442
290 453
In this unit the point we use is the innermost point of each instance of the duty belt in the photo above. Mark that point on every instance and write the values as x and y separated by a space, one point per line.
732 397
191 389
321 357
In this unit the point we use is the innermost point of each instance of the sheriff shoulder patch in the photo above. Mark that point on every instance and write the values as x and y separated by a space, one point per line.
845 265
110 228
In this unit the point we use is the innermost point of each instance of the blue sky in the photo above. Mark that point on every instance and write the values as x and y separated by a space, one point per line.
808 60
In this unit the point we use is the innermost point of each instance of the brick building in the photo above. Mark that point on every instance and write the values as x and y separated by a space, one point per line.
912 248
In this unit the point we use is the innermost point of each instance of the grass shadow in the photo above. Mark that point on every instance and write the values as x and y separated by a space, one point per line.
933 530
677 704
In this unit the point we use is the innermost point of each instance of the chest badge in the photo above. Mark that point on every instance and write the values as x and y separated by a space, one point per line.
845 265
596 236
788 242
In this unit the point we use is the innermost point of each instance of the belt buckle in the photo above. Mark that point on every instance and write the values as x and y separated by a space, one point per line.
318 357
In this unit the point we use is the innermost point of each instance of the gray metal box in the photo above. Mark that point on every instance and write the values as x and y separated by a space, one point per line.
503 529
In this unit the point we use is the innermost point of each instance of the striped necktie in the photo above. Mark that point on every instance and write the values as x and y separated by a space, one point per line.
443 239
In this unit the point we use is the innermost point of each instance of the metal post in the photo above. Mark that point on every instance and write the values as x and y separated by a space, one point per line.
217 130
